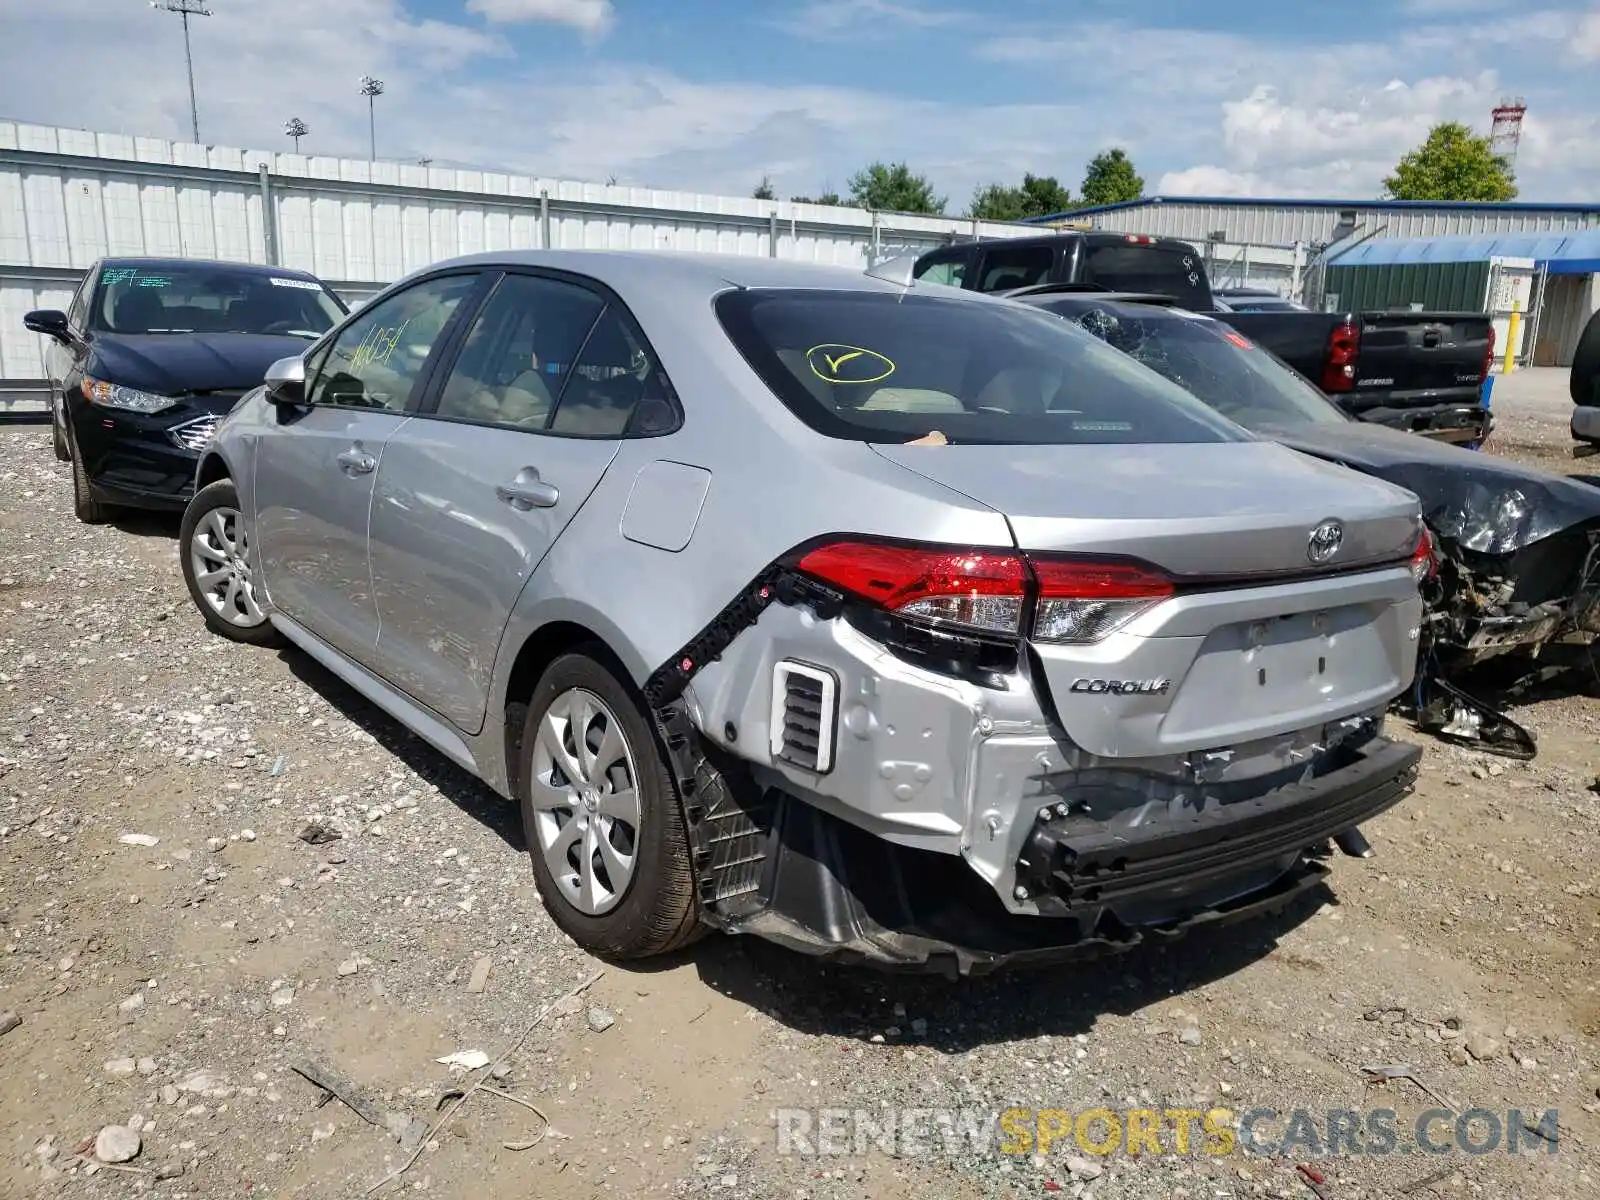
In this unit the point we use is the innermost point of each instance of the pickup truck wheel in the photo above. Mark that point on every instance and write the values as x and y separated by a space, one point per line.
601 816
214 548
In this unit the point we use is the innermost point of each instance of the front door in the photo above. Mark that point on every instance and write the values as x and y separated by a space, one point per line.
474 491
314 476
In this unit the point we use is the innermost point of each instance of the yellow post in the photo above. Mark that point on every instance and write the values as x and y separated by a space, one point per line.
1513 327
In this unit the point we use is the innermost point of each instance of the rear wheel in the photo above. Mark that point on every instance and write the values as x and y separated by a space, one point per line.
217 566
601 816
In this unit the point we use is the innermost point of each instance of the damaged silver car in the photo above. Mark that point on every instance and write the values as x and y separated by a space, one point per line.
1517 550
893 624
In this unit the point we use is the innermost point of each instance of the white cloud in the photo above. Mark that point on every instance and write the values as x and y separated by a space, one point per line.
829 18
1585 43
591 16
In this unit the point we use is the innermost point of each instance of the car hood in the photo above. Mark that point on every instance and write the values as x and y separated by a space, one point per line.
171 364
1479 501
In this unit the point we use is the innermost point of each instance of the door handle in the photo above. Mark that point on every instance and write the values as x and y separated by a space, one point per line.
527 491
357 461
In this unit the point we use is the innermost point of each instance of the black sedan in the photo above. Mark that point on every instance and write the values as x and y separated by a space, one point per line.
1518 550
151 354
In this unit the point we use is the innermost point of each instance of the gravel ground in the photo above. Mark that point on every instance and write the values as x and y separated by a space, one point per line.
218 864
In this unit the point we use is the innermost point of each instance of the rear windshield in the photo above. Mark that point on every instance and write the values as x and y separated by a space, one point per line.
208 298
1221 366
1166 271
893 367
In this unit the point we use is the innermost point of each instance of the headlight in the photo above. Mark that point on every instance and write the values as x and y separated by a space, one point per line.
114 395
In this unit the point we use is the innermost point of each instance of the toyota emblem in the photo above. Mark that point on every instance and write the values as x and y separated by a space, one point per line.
1324 541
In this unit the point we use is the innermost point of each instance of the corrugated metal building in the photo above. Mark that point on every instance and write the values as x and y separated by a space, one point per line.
69 197
1241 221
1461 272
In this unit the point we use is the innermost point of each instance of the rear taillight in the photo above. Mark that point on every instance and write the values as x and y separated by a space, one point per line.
1339 362
1141 239
1423 561
1083 601
988 591
1488 355
978 589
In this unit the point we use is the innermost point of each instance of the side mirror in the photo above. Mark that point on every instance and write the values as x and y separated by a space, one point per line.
51 322
286 381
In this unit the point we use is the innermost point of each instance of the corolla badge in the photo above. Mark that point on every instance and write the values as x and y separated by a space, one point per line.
1324 541
836 363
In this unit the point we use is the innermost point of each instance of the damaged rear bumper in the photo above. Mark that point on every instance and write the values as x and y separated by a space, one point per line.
1456 421
822 886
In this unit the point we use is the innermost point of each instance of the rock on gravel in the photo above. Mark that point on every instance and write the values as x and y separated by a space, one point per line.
601 1019
117 1144
8 1022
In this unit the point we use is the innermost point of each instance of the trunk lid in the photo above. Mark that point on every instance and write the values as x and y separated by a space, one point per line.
1256 643
1205 509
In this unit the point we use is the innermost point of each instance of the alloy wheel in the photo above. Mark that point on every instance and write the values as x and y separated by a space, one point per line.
585 799
219 555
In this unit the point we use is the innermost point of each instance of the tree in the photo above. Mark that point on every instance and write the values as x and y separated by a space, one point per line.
894 187
1111 179
828 196
764 189
1038 196
1452 164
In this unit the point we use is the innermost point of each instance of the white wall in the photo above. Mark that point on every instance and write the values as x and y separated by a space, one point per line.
68 197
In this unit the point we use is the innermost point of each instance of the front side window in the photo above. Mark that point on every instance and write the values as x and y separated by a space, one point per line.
893 367
208 298
950 271
377 359
520 353
1221 366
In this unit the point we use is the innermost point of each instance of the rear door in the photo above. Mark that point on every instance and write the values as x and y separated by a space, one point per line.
472 494
314 474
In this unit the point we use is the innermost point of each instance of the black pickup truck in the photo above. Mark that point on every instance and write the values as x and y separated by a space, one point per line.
1418 371
1586 386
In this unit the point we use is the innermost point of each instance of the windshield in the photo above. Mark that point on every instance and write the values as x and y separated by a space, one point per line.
1222 367
205 298
1161 270
894 367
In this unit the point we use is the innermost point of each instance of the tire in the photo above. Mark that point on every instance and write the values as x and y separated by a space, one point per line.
213 539
654 911
87 509
58 440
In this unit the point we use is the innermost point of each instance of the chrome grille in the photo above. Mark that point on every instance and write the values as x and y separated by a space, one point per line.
194 435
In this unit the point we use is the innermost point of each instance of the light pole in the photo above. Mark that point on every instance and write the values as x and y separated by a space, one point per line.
372 88
187 9
295 128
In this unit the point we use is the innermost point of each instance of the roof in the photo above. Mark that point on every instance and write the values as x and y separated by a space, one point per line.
1576 252
630 270
145 261
1514 206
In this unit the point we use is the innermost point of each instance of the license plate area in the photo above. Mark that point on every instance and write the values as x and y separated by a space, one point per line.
1252 675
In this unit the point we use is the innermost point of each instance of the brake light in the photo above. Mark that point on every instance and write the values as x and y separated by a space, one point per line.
1423 560
1339 363
977 589
1140 239
1488 355
987 591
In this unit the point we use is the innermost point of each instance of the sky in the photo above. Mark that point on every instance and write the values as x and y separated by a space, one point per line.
1245 97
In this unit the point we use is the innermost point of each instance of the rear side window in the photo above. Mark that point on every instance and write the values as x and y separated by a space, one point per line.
1010 267
950 270
893 367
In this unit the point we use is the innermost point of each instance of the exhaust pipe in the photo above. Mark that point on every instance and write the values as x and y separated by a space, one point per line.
1353 843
